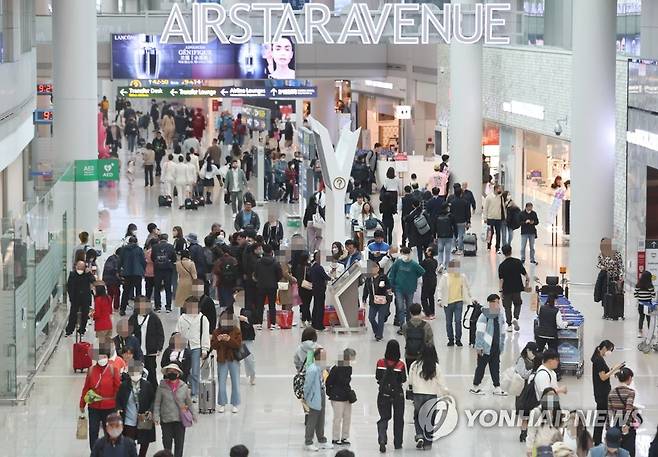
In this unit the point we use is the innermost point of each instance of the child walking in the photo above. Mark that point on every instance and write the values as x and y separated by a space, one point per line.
428 289
342 397
130 171
314 395
102 312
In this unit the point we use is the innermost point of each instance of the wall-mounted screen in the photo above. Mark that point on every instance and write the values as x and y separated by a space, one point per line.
142 56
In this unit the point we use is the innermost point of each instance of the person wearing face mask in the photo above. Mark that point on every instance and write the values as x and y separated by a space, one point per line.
179 353
236 183
621 408
494 213
135 404
273 231
403 277
267 274
601 374
171 399
114 443
99 392
526 365
78 288
132 265
194 327
148 329
227 339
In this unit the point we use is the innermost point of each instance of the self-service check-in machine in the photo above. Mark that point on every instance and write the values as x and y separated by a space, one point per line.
344 293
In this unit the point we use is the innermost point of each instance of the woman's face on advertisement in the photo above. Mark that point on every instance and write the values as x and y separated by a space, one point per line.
282 52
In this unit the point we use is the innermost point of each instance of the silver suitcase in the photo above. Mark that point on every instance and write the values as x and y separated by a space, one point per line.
207 387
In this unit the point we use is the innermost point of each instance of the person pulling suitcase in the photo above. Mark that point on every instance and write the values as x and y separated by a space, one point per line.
207 386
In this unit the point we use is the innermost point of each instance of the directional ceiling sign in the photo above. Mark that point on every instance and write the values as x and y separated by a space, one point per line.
215 92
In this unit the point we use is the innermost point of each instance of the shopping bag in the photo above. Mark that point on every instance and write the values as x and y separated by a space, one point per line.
81 430
534 302
511 381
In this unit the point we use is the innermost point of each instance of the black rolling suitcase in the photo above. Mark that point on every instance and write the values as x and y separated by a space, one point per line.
190 203
164 200
613 305
470 244
472 314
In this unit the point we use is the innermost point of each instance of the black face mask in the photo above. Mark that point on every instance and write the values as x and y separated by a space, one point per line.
171 376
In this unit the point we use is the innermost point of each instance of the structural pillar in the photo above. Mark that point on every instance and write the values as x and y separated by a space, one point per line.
649 30
593 134
323 108
75 131
465 127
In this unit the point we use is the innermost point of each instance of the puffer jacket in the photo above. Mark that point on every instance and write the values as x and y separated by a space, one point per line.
267 272
166 407
132 260
302 352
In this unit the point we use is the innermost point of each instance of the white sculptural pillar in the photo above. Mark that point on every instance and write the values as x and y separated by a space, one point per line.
336 167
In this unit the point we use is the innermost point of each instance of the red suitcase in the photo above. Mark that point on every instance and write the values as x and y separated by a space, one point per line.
283 318
81 354
362 317
330 316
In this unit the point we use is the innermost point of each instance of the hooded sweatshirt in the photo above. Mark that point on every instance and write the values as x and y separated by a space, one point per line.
302 352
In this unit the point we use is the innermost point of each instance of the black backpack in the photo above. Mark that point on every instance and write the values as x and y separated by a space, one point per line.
421 224
162 259
229 274
527 401
415 337
444 227
513 219
388 386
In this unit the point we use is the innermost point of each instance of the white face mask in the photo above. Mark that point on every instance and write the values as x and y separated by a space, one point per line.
136 377
102 362
115 432
406 258
79 272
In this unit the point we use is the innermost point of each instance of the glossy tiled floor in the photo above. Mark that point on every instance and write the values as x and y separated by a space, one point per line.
270 421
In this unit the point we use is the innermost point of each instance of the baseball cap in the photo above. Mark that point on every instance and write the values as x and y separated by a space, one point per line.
613 438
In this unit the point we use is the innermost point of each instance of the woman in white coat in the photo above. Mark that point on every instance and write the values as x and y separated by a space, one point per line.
191 176
180 178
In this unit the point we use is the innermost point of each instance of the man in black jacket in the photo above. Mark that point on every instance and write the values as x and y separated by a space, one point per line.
445 230
197 255
163 256
407 207
461 212
160 146
267 273
126 340
148 329
78 288
529 223
434 204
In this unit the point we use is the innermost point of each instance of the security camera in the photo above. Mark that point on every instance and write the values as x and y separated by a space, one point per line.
558 129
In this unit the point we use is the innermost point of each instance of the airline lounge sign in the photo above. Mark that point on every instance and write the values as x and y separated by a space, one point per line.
216 92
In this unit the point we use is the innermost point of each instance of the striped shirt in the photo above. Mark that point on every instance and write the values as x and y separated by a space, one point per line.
620 401
644 294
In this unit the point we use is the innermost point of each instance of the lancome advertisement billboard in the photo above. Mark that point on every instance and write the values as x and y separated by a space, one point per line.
142 56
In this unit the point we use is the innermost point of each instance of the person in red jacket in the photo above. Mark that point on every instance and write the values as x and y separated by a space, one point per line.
198 124
101 387
102 312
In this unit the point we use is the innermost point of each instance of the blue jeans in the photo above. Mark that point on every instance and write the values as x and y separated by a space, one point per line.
195 368
226 297
132 139
454 314
444 246
403 301
377 316
250 362
525 239
461 230
223 370
507 234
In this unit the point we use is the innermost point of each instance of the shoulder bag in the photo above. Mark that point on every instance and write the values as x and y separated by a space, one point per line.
241 353
186 417
636 418
378 299
306 284
144 420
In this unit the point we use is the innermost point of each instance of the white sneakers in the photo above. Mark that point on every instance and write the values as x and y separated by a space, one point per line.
252 380
515 323
311 448
326 445
500 392
475 390
235 409
509 328
221 409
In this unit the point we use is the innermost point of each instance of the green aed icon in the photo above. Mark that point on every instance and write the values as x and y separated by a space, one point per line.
108 169
97 170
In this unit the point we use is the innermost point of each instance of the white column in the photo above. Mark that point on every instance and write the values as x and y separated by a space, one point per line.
75 103
593 137
323 107
465 127
110 6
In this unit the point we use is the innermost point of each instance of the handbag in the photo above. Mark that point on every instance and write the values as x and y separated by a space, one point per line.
296 299
308 285
351 396
186 417
144 422
318 221
82 426
242 353
378 299
636 418
283 285
512 382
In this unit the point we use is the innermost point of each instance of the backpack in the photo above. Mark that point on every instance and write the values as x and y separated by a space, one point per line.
421 224
229 273
415 337
443 227
388 386
161 259
527 401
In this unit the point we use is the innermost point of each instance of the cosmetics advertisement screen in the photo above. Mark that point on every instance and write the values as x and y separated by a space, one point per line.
141 56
